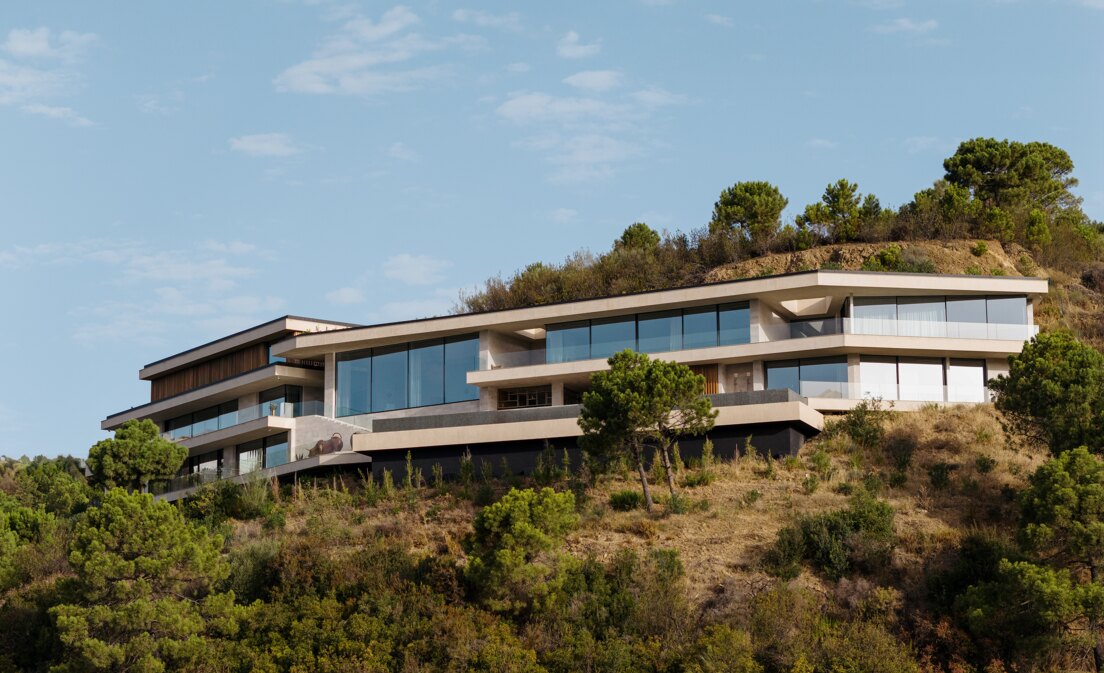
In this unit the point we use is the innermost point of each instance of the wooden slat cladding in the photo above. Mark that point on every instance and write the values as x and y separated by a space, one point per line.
710 374
212 371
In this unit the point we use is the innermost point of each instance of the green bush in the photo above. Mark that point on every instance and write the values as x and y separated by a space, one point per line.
978 249
864 423
900 447
985 464
940 475
810 484
624 501
860 536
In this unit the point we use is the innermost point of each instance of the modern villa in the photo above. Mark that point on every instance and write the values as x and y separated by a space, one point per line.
777 353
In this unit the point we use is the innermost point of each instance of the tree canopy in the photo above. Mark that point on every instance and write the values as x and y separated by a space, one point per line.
1054 392
136 454
638 402
751 209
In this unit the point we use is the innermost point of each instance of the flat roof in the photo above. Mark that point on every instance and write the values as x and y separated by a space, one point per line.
233 341
800 284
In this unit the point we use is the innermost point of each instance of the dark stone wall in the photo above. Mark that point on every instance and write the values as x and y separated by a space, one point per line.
777 439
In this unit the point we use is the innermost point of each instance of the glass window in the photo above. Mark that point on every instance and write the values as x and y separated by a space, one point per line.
824 377
1009 315
920 379
389 378
699 327
878 377
568 342
611 336
276 450
461 357
228 414
250 456
922 316
874 315
179 427
280 401
966 381
427 374
273 359
210 462
734 324
784 374
659 332
966 317
354 375
204 421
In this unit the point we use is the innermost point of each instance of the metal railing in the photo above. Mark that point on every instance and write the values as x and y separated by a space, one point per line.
251 413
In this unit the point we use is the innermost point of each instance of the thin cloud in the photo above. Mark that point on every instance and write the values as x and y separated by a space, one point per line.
42 43
563 215
65 114
822 144
595 80
346 295
657 97
906 25
402 153
720 20
366 57
265 145
572 46
518 67
415 269
510 22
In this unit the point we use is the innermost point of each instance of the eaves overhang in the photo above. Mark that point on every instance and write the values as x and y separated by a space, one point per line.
774 289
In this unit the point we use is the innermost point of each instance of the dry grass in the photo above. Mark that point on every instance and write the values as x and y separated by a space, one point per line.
722 540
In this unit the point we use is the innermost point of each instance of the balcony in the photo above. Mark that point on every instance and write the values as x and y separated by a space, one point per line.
232 418
804 329
893 392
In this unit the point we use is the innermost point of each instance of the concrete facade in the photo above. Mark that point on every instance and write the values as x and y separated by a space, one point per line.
802 321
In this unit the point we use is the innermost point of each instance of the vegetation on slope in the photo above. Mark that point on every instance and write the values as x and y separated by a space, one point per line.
1001 208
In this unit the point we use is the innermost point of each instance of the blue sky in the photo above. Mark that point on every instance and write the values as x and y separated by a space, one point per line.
174 171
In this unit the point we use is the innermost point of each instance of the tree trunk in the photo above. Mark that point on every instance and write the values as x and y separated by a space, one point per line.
665 452
1098 644
638 455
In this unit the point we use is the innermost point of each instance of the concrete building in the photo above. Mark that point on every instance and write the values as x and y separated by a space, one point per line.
777 353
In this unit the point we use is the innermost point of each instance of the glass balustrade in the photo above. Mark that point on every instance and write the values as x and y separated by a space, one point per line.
230 419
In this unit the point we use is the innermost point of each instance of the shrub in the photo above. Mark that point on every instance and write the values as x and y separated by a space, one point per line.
897 479
821 463
624 501
861 535
899 447
723 649
865 423
978 249
810 484
894 258
940 475
702 478
985 464
752 497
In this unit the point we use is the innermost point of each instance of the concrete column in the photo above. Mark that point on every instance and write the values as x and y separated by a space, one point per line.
329 386
488 399
486 358
230 459
722 378
758 376
753 313
557 393
853 382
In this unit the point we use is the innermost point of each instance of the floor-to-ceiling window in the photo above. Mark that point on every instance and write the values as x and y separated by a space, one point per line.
878 377
811 377
920 379
418 374
354 374
263 453
921 316
966 317
612 335
427 375
966 381
389 378
658 332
